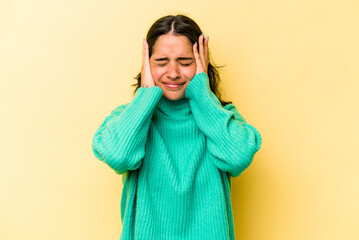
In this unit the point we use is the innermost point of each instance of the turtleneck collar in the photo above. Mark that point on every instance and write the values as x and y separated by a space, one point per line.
178 109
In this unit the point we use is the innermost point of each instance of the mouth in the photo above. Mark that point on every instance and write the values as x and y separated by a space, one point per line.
173 85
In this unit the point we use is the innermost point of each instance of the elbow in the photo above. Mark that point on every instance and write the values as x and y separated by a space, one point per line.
245 153
122 163
255 140
240 164
120 160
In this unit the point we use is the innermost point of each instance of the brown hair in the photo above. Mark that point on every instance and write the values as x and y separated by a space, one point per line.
185 26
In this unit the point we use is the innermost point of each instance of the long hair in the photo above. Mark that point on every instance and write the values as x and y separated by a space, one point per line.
185 26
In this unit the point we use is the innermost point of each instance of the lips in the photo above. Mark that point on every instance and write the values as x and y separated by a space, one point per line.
173 85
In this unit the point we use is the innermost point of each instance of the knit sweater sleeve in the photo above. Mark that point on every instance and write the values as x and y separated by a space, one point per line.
120 140
230 139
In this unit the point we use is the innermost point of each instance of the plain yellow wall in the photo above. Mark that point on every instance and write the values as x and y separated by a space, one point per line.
291 69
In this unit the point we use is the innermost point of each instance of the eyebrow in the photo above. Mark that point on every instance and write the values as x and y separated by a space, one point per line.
180 58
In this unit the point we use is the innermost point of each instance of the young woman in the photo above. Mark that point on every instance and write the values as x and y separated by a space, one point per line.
177 143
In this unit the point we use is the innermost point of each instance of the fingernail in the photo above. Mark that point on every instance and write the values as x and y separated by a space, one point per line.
208 37
202 34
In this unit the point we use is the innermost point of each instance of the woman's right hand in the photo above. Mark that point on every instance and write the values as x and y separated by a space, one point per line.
146 75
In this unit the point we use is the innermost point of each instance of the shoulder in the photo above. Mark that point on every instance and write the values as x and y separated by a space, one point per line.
230 107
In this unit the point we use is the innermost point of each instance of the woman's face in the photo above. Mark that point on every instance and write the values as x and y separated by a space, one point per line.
173 65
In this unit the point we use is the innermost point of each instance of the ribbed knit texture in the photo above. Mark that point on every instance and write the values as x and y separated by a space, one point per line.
177 159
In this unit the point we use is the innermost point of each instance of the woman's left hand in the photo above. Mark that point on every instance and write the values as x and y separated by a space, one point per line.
201 56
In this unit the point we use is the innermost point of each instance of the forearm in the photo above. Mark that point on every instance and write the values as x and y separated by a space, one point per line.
231 140
121 138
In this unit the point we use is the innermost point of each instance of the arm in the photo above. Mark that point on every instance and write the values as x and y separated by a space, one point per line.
231 140
120 140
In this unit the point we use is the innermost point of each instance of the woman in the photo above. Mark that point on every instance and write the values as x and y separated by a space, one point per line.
176 143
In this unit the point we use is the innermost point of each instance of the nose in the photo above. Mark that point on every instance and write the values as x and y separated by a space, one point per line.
173 70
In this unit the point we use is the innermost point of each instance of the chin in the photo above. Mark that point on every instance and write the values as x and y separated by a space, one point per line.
174 97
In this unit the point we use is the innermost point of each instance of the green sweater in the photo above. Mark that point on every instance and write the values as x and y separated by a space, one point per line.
176 158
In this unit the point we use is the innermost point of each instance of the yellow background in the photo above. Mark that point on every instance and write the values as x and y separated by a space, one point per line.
292 70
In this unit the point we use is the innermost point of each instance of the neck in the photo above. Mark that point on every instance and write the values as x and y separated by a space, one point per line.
178 109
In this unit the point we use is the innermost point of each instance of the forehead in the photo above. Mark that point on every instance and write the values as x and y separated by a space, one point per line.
172 45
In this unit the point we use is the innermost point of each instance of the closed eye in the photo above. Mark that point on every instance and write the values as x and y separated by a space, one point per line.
182 64
187 64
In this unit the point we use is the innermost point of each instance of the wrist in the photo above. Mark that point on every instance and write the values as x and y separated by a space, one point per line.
145 85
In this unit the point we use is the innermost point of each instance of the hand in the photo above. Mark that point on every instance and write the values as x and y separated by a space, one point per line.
146 75
202 56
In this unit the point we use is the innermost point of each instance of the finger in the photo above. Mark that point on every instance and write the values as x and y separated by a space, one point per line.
196 54
146 59
143 62
201 50
206 49
146 68
146 51
198 59
143 51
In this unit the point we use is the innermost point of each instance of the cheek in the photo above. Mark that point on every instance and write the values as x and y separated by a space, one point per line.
190 72
157 73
